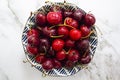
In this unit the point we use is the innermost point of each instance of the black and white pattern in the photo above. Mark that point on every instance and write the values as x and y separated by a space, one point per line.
62 71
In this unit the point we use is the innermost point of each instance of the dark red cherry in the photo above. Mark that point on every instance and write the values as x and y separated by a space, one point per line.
31 50
40 19
48 64
63 30
89 19
33 40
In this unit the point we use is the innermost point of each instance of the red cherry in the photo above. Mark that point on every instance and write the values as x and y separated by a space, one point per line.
61 55
69 43
40 19
72 22
86 59
84 30
48 64
73 55
40 59
89 19
34 32
54 18
79 14
31 50
62 30
58 44
68 14
33 40
57 64
69 64
46 31
75 34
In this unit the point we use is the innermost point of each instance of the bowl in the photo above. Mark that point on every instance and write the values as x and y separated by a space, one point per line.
93 40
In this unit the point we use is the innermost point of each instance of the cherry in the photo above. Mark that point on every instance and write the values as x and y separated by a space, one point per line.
62 30
73 55
57 64
33 31
84 30
61 55
44 44
33 40
89 19
69 43
86 59
72 22
68 13
31 50
54 18
83 45
51 52
40 19
53 32
46 31
78 14
40 58
75 34
69 64
56 8
58 44
48 64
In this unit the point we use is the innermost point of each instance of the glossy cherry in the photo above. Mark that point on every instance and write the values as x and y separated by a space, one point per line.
58 44
89 19
40 19
33 40
79 14
72 22
61 55
57 64
54 18
44 45
75 34
86 59
83 45
67 13
84 30
34 32
40 58
73 55
69 64
69 43
31 50
48 64
63 30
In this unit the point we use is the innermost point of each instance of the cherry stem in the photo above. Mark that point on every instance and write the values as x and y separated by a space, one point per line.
66 25
68 51
86 52
52 26
39 28
87 35
57 36
25 61
45 50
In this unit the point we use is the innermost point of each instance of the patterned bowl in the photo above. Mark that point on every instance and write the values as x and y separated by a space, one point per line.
93 40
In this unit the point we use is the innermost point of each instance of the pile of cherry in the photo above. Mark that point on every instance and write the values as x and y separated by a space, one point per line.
60 38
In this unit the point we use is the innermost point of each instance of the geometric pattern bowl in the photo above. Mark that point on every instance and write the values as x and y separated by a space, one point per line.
93 40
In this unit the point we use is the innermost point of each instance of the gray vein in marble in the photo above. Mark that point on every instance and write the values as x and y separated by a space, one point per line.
3 76
17 19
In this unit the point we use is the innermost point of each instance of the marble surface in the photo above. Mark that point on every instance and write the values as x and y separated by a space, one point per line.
105 64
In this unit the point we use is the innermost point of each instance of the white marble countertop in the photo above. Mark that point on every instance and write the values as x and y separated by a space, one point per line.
105 64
